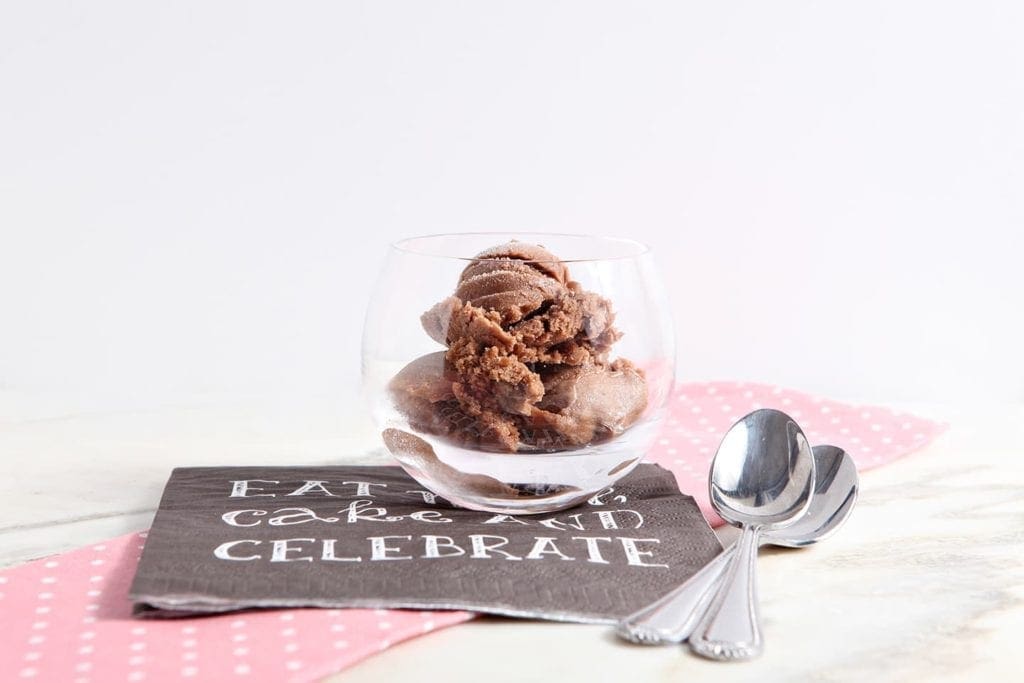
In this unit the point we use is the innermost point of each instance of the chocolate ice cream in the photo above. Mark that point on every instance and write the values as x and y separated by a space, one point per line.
527 364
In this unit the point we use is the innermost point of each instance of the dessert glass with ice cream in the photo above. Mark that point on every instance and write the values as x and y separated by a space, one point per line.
518 373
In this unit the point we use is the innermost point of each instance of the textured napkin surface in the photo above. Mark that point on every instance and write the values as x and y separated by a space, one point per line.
68 618
228 538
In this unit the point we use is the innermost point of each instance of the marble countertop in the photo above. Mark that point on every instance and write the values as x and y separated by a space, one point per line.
925 582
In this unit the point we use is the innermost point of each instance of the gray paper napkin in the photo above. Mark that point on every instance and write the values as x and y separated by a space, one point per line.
229 538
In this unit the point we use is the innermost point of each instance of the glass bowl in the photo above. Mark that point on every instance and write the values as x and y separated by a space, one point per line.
516 378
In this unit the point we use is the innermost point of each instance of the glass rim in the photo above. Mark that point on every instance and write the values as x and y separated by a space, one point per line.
637 248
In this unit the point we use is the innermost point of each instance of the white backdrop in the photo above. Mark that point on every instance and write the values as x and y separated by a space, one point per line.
195 196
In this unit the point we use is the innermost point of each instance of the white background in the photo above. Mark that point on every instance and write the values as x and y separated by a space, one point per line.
194 196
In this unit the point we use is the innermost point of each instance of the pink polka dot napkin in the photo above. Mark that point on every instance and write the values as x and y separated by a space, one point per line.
68 618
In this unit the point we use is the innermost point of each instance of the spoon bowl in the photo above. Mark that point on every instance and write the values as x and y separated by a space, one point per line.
763 472
835 491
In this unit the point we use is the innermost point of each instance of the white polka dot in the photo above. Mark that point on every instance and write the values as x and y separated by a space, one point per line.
99 547
88 635
96 579
795 414
92 608
288 632
188 630
428 626
291 647
136 676
834 420
340 644
379 611
240 651
242 669
40 625
876 428
238 623
704 449
192 643
88 620
93 593
42 610
886 439
748 394
384 644
337 627
844 430
287 616
905 425
51 564
143 534
855 439
35 640
28 672
136 660
712 390
384 625
32 656
139 631
918 437
137 646
189 671
48 579
826 409
96 562
293 666
238 637
190 656
671 451
776 391
45 596
663 442
695 409
82 667
786 401
3 579
702 421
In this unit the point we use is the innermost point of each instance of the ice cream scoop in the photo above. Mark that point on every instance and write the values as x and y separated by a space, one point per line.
527 362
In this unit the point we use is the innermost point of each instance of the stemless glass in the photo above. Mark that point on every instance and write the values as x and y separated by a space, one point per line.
441 427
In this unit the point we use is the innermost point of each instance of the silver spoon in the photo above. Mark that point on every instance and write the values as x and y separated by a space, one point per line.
671 618
762 478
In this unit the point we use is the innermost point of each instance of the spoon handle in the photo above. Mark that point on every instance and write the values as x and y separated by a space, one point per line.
671 618
730 628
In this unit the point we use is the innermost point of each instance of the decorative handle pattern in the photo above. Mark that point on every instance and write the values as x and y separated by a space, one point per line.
730 629
671 618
